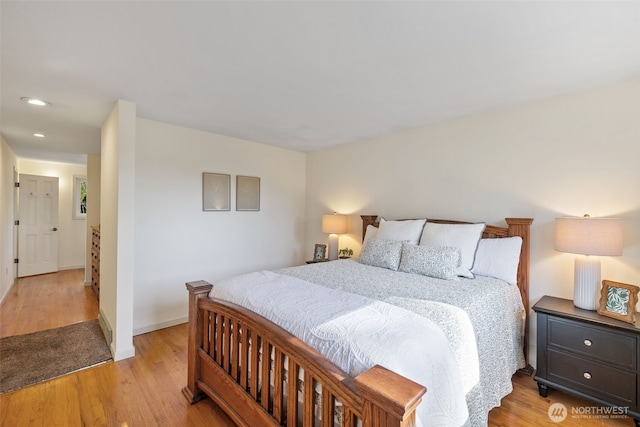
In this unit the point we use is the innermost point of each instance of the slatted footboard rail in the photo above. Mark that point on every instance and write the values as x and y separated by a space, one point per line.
261 375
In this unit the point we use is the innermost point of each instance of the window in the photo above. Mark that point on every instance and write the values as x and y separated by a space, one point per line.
79 197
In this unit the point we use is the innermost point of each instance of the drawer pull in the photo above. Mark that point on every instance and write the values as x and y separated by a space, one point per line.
588 343
587 375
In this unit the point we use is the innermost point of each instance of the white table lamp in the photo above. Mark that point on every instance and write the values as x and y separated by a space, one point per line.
334 224
589 237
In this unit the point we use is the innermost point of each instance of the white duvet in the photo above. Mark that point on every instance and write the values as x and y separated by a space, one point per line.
481 317
356 333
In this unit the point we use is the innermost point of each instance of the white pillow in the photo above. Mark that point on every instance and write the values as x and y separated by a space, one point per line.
408 230
382 253
370 233
441 262
463 236
498 258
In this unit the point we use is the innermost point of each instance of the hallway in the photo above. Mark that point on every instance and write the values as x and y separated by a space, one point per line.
47 301
141 391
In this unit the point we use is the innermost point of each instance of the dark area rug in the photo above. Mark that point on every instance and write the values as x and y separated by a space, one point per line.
33 358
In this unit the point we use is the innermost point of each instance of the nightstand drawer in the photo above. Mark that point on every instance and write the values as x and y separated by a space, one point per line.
593 378
608 346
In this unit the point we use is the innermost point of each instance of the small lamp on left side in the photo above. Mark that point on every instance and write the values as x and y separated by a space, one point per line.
334 224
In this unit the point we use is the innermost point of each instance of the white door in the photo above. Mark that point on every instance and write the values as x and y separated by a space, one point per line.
38 227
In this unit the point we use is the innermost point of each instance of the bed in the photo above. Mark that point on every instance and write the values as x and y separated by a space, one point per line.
276 348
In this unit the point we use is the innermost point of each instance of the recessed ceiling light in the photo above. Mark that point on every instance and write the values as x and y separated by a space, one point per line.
34 101
39 135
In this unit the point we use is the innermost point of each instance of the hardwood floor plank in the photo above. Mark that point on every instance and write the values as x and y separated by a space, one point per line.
524 407
146 389
47 301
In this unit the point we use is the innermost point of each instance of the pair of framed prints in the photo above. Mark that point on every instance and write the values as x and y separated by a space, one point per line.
216 192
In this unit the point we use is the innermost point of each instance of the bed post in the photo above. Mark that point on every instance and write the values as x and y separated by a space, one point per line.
197 290
521 227
389 400
367 220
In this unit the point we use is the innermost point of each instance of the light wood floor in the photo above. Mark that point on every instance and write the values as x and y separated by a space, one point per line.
146 389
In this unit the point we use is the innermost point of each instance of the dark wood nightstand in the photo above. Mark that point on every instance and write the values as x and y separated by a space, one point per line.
588 355
313 261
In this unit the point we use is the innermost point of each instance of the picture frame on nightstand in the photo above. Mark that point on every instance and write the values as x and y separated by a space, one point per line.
319 252
618 300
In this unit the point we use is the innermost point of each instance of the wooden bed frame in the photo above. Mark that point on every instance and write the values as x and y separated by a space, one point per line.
226 342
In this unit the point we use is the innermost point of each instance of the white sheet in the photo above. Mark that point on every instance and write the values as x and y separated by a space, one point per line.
349 329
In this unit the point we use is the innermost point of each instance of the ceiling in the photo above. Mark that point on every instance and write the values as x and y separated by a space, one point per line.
299 75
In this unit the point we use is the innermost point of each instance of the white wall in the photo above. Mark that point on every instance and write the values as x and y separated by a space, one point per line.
565 156
117 194
8 161
71 232
176 242
93 208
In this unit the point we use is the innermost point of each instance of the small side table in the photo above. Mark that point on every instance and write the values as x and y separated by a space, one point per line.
314 261
588 355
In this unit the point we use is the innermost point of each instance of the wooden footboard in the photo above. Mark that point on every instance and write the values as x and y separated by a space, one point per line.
261 375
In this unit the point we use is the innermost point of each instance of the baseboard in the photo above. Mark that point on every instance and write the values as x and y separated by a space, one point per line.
120 354
161 325
116 353
8 290
78 267
106 328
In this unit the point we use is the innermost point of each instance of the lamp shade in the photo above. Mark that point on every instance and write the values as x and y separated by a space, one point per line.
589 236
334 224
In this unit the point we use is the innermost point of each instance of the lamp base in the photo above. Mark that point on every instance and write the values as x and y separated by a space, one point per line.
333 247
586 285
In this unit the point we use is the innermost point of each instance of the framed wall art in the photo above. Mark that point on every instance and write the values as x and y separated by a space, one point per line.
247 193
216 191
618 300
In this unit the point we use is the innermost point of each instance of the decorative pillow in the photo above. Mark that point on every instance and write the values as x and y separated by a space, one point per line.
463 236
409 230
498 258
439 262
382 253
370 233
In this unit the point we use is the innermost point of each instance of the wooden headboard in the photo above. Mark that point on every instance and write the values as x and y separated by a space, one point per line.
515 227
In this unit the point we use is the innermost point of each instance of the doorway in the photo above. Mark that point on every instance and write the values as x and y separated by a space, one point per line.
37 225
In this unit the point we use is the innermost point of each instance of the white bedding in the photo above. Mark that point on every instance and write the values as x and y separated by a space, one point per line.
481 314
348 329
